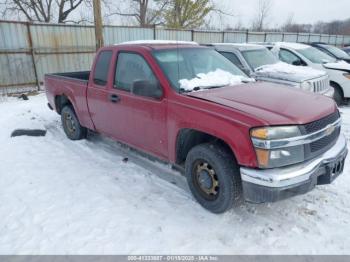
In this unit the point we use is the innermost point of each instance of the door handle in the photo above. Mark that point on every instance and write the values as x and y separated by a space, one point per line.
114 98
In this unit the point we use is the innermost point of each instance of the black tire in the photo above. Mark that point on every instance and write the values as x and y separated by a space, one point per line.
71 125
226 179
338 95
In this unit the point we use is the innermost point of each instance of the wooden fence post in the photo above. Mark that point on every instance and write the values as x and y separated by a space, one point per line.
31 48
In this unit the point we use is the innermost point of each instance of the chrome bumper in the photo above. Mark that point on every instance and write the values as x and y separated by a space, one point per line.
296 175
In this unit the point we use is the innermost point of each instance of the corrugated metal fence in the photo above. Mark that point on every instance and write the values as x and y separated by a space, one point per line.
28 51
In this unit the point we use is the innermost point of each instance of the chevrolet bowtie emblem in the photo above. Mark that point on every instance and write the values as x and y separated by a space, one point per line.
329 129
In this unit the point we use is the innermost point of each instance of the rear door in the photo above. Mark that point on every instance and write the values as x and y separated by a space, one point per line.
98 94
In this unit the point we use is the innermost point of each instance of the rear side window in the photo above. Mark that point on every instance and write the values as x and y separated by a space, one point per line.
130 68
102 66
288 57
233 58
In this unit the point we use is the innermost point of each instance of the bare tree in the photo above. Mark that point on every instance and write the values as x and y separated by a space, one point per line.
41 10
145 12
262 15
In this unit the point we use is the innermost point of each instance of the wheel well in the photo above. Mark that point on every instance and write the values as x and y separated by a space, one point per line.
60 102
189 138
338 87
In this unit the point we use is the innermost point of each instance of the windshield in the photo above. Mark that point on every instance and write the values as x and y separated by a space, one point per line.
259 57
187 63
316 56
336 51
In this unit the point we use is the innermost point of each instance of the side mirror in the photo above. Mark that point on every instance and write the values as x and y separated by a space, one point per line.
147 88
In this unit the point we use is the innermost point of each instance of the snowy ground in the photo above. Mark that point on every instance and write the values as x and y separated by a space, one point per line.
64 197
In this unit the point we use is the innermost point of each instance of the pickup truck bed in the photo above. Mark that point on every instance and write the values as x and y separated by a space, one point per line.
81 75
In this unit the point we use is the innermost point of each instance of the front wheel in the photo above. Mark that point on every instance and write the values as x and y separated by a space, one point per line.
71 125
213 177
338 96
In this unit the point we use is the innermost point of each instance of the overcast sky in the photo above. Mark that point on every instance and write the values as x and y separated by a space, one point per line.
305 11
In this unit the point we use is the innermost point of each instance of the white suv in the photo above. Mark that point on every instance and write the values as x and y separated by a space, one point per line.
305 55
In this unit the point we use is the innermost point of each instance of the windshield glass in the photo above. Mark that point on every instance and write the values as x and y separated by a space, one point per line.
336 51
259 57
188 63
316 56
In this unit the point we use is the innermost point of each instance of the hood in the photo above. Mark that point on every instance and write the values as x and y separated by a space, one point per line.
340 65
271 103
287 72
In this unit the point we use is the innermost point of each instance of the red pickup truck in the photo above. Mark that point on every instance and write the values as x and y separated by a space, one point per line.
258 142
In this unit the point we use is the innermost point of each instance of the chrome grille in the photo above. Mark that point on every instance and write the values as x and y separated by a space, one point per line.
320 85
318 147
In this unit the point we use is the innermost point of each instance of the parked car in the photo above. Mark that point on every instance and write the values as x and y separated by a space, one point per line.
347 50
259 63
332 51
188 105
304 55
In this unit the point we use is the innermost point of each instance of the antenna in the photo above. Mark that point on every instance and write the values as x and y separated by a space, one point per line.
178 64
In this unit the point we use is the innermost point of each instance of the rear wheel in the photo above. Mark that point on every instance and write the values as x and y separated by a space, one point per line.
213 177
71 125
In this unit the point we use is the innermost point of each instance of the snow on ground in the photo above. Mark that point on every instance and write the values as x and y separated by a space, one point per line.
63 197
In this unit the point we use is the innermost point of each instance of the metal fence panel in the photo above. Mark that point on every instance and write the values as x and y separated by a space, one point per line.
324 38
274 37
290 37
207 37
339 40
116 34
346 40
16 69
235 37
53 63
314 38
332 39
54 38
303 37
256 37
168 34
13 36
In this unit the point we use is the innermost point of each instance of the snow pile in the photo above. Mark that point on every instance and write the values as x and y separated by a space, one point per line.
341 65
156 42
218 77
79 197
281 67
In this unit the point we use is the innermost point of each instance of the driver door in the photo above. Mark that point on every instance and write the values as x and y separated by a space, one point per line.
137 120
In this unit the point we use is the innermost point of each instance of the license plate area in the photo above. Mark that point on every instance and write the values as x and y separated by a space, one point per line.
333 170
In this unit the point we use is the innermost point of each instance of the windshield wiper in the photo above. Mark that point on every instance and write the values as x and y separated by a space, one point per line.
197 88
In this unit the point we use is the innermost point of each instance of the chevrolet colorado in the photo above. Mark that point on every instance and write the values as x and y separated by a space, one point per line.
188 105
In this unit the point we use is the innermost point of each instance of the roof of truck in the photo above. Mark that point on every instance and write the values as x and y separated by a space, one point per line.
160 44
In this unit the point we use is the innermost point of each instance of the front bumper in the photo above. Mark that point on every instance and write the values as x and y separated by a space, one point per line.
270 185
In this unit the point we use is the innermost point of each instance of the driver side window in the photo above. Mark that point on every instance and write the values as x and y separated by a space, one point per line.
130 68
290 58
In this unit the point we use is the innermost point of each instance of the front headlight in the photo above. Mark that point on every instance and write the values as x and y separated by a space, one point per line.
347 75
306 86
276 157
